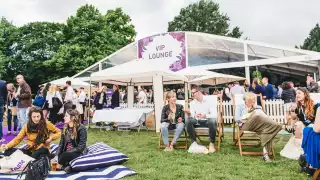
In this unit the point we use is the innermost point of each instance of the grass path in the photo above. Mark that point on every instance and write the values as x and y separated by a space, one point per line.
225 164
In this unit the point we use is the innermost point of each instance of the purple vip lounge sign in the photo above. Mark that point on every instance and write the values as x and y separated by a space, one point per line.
167 46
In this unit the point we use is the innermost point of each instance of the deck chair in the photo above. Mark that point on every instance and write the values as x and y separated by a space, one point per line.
201 132
241 140
182 142
316 174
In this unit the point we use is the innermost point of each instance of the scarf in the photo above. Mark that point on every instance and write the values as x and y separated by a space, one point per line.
101 98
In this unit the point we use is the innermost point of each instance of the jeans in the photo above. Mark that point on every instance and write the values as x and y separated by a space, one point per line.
1 116
23 117
36 154
15 121
66 157
165 132
211 123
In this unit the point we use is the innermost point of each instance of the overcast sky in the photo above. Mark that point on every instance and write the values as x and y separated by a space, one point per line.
283 22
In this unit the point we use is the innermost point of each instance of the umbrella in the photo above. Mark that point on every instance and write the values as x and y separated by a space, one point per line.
215 79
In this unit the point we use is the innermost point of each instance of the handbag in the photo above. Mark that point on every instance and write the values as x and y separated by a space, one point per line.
15 163
56 103
37 169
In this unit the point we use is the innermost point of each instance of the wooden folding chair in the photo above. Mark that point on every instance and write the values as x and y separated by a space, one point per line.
316 174
241 139
216 104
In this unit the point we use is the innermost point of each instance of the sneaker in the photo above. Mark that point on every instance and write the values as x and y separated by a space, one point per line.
15 133
9 133
266 158
2 140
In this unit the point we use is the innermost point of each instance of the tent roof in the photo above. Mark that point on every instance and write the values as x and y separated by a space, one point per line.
75 82
209 50
138 72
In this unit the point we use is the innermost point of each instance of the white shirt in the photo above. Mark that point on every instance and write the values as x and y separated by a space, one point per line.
237 89
142 97
82 97
203 107
69 94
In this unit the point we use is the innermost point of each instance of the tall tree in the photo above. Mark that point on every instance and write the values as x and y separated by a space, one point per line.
90 37
204 16
7 38
312 42
120 23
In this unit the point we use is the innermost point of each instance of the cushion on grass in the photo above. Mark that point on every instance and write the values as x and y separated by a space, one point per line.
53 148
100 155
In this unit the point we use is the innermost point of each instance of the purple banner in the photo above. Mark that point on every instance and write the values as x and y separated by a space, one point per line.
167 46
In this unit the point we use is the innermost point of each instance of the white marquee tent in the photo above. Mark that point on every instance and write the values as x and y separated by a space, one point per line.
142 72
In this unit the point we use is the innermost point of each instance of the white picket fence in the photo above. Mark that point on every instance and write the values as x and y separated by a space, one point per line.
273 108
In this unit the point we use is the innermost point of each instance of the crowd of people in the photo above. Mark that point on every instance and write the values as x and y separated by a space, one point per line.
36 121
63 104
302 112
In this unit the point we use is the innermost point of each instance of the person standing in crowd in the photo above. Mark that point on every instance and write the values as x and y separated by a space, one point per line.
68 97
237 89
23 96
246 85
268 89
51 94
256 89
45 108
151 96
136 100
82 100
115 102
280 91
226 95
275 92
312 86
180 95
292 85
101 98
3 99
12 110
142 97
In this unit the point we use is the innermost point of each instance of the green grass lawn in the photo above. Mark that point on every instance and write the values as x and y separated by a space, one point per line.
151 163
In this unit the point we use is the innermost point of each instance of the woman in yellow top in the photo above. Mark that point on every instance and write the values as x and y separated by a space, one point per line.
40 133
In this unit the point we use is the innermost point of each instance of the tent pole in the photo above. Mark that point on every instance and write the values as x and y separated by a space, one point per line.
89 102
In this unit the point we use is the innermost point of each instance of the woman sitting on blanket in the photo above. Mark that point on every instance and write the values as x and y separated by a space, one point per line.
40 133
254 119
73 140
299 118
172 117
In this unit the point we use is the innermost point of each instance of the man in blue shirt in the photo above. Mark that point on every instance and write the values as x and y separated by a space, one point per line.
3 99
268 89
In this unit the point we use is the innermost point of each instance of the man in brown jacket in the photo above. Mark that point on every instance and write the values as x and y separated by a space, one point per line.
23 96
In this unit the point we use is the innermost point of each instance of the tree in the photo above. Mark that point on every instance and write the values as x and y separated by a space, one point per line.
312 42
204 16
120 23
7 38
90 37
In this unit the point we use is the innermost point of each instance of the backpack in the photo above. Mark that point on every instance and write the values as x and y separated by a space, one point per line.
37 169
39 100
